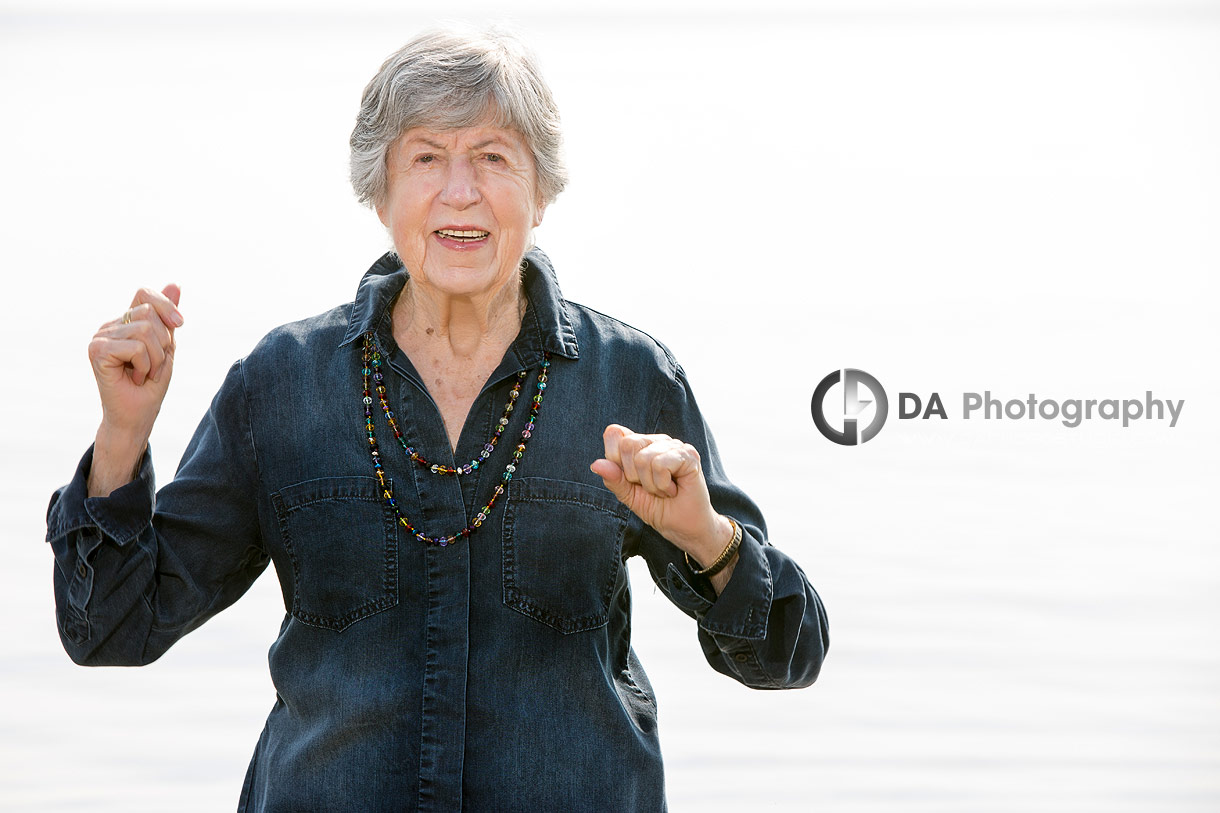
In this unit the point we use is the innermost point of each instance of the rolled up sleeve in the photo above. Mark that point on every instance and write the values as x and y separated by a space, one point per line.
768 628
137 570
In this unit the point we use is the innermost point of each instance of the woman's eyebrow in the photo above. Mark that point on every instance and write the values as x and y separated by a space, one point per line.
500 142
425 141
428 142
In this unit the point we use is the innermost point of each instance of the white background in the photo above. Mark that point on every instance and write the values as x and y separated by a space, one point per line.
1014 197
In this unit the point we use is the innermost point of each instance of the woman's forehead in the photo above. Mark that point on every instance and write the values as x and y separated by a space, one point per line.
476 137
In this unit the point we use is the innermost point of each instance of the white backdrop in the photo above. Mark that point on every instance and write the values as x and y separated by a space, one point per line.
1015 197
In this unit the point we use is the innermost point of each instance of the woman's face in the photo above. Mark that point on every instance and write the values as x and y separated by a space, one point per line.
460 207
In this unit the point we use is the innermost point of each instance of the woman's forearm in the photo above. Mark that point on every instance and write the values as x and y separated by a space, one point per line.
116 459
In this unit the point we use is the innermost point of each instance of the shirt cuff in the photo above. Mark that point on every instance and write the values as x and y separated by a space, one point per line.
740 611
120 517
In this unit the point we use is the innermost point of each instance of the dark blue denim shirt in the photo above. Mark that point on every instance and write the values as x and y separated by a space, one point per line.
493 674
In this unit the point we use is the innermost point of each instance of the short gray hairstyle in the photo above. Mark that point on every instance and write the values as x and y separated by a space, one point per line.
450 78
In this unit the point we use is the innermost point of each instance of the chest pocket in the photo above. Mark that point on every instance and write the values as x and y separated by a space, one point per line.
562 552
343 544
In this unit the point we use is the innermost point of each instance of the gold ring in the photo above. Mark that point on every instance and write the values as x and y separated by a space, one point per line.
127 316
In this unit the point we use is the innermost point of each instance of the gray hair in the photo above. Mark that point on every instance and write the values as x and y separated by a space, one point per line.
447 79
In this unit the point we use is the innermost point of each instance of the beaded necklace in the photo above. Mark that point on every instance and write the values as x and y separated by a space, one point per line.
372 367
488 447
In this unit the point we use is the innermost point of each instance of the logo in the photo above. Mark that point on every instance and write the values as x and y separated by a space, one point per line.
853 407
1070 412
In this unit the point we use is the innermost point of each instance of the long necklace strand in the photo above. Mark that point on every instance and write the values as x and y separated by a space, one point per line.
372 367
436 468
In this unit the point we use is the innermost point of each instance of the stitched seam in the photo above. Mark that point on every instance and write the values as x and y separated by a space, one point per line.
245 397
573 501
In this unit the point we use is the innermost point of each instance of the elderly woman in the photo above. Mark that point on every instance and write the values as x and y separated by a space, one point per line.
449 474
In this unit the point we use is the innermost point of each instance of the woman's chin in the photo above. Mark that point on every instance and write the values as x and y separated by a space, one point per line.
466 283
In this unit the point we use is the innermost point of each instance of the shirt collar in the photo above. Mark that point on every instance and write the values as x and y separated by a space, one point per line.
547 325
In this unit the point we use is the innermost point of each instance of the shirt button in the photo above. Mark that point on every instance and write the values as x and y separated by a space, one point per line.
741 657
80 570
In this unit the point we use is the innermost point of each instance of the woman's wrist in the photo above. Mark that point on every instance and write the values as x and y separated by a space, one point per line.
716 558
703 552
116 459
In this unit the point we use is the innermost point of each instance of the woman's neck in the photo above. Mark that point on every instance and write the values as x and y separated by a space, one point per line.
456 343
459 327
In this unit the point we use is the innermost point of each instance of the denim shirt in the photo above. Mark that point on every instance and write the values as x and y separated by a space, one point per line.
494 673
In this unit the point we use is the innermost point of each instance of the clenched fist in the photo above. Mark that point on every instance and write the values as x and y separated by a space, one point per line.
132 358
661 480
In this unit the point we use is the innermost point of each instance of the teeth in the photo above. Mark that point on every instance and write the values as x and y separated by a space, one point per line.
462 235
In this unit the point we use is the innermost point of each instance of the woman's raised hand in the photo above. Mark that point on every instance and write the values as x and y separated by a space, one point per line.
132 358
661 480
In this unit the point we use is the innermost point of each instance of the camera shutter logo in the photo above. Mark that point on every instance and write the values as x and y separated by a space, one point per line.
853 406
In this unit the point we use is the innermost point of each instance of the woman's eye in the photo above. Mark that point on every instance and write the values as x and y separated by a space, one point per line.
493 157
425 159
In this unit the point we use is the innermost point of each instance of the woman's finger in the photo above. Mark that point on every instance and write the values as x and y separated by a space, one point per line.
610 440
673 460
642 460
629 447
612 476
167 361
134 349
148 327
647 460
156 338
627 463
132 319
141 365
665 465
657 463
113 356
159 302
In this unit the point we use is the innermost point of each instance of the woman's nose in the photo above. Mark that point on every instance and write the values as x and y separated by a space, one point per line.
461 186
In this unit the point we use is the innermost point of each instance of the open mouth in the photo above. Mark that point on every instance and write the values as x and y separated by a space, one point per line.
463 236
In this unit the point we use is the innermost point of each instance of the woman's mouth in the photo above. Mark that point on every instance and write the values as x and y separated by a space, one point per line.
463 235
